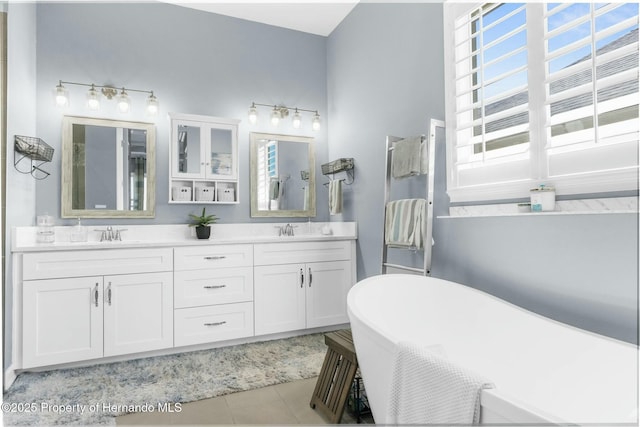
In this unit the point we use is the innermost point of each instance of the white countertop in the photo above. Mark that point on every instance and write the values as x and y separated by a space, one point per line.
24 239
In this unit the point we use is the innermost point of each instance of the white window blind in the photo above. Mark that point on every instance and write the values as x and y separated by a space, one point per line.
591 62
534 104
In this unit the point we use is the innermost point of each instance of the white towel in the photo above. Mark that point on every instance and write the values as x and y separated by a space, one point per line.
404 223
427 388
406 158
335 196
274 188
306 202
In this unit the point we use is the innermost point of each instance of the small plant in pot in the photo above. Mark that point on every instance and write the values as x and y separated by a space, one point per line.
202 223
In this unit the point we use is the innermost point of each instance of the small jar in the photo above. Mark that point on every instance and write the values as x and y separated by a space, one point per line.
46 233
543 199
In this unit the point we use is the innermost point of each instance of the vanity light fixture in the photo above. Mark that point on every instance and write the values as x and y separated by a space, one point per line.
279 112
94 96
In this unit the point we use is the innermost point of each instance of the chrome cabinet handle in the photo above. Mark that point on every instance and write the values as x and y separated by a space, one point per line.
109 294
95 294
310 277
215 286
215 323
215 257
301 278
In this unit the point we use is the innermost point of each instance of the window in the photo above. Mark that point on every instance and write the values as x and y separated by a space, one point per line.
543 93
267 171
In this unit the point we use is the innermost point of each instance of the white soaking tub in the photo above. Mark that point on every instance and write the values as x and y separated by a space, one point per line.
543 371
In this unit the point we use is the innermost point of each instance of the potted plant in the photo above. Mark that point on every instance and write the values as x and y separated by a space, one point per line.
202 223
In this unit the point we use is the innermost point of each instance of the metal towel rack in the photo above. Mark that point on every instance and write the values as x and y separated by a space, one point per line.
428 217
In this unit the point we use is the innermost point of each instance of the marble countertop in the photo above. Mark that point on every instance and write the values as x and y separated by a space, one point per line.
24 239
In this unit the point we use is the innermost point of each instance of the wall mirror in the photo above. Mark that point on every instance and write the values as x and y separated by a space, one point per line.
108 168
282 176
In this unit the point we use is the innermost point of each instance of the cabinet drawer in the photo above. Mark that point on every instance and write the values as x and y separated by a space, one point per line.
45 265
301 252
207 257
208 287
213 323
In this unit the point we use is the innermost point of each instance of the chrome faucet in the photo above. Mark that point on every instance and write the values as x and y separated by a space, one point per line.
288 230
285 230
110 234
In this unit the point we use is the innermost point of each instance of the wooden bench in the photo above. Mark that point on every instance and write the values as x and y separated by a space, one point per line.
337 374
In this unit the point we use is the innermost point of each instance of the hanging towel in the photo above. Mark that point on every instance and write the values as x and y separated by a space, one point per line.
306 203
427 388
335 196
404 223
406 157
274 188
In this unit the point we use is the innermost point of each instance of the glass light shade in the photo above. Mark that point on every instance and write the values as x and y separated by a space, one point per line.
253 114
93 99
152 105
297 119
123 102
62 96
275 117
315 124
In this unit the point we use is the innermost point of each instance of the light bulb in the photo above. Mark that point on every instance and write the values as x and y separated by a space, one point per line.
152 105
123 102
275 117
297 119
93 100
62 95
253 114
315 124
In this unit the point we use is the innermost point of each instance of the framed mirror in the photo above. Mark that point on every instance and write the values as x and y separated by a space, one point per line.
108 168
282 176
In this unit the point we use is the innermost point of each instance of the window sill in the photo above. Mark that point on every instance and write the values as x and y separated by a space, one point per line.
614 205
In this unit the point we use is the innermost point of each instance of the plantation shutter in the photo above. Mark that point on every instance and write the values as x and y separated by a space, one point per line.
492 99
591 61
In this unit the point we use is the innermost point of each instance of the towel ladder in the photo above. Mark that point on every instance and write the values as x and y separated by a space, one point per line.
428 217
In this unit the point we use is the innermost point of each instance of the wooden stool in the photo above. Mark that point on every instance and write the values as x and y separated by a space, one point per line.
337 374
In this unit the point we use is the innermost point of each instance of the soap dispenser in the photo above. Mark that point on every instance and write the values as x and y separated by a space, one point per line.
79 232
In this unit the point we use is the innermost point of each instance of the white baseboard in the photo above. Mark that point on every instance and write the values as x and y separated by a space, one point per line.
9 377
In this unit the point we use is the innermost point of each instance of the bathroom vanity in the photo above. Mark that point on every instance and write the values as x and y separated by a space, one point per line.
160 290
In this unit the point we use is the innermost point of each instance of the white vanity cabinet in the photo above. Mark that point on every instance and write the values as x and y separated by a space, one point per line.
301 285
203 159
213 293
125 307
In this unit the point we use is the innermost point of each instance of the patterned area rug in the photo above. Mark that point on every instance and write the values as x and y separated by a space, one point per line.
95 395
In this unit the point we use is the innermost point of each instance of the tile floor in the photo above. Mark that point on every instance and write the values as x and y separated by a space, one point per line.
281 404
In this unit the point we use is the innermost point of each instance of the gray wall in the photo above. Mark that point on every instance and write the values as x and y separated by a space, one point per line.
196 62
21 120
385 76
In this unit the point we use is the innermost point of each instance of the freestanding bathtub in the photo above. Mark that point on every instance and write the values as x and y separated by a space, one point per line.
543 371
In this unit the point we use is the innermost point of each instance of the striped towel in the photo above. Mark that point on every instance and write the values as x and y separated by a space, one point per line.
427 388
404 223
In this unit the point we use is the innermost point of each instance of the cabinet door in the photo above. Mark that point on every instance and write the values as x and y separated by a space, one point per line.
187 150
279 298
222 152
327 286
62 320
138 313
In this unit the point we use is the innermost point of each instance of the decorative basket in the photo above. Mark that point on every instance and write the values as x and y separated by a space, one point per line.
338 165
33 148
